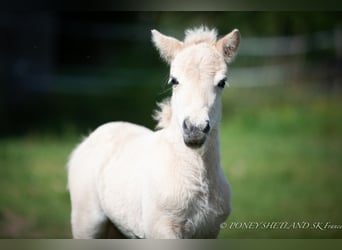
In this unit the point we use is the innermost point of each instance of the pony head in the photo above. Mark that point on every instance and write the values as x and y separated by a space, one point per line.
198 75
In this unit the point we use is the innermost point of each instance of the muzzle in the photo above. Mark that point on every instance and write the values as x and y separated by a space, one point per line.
194 136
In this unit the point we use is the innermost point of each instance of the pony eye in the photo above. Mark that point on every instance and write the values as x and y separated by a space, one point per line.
222 83
173 81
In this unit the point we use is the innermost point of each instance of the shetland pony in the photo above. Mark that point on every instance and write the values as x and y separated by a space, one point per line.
128 181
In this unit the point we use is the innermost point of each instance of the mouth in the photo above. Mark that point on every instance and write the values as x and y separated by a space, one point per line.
194 142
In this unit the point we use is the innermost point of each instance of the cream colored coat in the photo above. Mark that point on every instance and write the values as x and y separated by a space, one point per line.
149 184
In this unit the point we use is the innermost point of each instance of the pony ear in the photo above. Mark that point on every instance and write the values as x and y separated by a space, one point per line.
167 46
228 45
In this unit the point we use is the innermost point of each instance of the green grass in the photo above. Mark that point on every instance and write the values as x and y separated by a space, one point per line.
282 155
281 151
34 197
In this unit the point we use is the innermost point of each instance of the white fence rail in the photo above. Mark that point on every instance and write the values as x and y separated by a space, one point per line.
292 45
286 46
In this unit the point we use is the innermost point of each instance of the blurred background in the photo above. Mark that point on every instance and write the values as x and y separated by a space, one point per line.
62 74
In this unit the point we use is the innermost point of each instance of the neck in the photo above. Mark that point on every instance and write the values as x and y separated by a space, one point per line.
209 153
211 150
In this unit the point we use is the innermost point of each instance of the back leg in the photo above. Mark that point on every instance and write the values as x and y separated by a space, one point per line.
88 220
94 226
88 223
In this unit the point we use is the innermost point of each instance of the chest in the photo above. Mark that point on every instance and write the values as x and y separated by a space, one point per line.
204 214
198 207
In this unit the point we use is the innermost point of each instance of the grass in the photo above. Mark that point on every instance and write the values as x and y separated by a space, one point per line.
34 198
281 151
283 158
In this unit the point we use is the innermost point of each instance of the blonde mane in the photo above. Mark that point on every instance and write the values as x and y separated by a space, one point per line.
200 35
163 114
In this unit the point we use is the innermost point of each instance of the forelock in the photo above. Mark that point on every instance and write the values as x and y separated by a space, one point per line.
200 35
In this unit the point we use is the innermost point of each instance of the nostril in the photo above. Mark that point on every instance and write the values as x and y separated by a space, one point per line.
206 128
186 124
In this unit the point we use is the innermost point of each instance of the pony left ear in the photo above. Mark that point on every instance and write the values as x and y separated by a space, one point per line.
167 46
229 44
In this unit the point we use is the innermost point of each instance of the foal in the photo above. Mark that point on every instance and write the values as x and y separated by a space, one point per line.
166 183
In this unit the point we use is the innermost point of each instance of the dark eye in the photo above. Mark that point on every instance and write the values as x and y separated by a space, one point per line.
222 83
173 81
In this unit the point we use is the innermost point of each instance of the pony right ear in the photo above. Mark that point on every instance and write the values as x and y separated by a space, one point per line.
167 46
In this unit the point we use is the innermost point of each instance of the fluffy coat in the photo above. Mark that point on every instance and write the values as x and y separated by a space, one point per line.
149 184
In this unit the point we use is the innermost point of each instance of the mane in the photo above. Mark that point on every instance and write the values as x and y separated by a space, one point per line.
163 114
200 35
